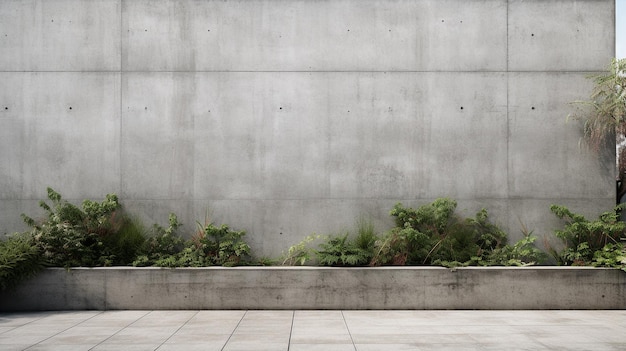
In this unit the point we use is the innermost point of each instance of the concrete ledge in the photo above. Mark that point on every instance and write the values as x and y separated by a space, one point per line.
320 288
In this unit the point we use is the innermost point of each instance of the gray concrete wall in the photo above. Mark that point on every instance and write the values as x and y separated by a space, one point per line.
284 118
483 288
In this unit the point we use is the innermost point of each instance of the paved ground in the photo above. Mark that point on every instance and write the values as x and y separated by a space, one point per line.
314 330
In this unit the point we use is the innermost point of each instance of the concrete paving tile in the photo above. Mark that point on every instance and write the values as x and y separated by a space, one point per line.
410 318
198 338
316 330
317 315
322 347
319 338
61 347
580 333
208 328
66 318
263 328
142 335
256 346
127 347
33 329
164 318
569 343
450 347
267 315
393 315
114 318
359 338
216 318
191 347
15 347
563 318
504 339
512 347
15 337
381 347
261 338
5 329
473 329
585 347
82 335
19 319
402 329
319 323
212 322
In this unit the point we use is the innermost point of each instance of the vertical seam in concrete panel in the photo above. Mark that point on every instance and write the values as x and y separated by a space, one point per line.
105 304
508 127
120 146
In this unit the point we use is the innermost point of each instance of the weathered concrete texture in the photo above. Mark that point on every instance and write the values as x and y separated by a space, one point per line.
63 131
342 35
60 35
320 288
560 35
285 118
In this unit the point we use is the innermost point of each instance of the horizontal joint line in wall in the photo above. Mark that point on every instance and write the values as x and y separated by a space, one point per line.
333 71
48 71
357 71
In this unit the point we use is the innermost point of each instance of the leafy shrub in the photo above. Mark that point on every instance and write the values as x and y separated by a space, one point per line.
300 253
401 246
71 236
522 253
161 246
366 236
122 245
611 255
582 238
433 234
210 246
19 259
347 249
339 251
221 246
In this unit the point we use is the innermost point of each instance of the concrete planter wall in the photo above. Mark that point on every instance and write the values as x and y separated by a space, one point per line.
320 288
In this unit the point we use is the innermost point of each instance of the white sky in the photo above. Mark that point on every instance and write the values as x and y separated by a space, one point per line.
620 28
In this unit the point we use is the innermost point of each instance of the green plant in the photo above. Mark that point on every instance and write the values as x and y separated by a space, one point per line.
19 259
604 113
300 253
400 246
433 234
467 239
71 236
604 117
582 238
161 246
611 255
339 251
522 253
366 236
221 245
123 245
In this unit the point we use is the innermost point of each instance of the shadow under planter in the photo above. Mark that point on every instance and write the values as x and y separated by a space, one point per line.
482 288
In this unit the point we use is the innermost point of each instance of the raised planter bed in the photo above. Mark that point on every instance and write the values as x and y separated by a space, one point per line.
320 288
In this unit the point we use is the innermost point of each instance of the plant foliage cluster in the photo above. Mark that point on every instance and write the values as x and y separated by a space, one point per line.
590 242
210 246
429 235
102 234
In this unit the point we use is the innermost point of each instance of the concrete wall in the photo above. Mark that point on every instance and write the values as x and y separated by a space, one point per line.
285 118
484 288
